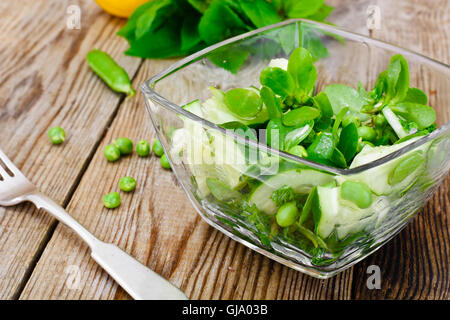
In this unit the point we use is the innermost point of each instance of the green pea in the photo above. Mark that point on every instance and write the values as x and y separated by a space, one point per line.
298 151
157 148
379 121
125 145
143 148
362 144
111 200
405 167
57 135
110 72
357 192
127 184
111 152
367 133
287 214
165 162
351 119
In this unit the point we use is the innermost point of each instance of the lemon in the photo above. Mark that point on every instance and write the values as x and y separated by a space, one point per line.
120 8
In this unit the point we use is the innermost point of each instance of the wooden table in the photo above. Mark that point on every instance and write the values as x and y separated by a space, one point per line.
44 81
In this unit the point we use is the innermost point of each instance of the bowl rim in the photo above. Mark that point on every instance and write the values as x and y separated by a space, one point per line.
147 90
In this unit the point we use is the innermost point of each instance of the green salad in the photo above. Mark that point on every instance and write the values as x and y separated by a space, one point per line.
340 127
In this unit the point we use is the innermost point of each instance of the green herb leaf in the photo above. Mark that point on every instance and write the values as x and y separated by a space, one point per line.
416 96
190 37
271 102
219 22
322 148
200 5
303 71
321 14
153 17
296 135
302 8
338 159
341 96
424 116
229 58
128 31
283 195
279 80
260 12
165 42
300 116
397 79
348 141
244 103
275 132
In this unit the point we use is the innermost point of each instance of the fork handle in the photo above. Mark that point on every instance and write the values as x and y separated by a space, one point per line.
138 280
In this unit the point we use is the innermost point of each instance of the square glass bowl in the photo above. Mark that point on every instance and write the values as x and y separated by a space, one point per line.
216 166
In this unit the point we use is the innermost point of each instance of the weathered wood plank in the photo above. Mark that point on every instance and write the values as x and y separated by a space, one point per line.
165 233
415 264
158 225
45 82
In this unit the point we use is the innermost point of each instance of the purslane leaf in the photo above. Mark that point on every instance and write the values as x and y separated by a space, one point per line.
271 102
300 116
423 115
348 141
279 80
303 71
416 95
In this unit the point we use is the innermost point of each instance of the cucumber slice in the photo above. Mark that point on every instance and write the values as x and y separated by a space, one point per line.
300 180
378 178
209 153
334 214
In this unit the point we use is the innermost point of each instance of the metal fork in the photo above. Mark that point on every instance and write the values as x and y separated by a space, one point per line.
139 281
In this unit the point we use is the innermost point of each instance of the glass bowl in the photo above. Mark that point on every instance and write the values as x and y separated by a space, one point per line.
216 166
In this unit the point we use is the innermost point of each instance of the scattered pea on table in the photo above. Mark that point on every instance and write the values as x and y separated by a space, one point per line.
111 152
143 148
125 145
157 148
57 135
165 162
111 200
127 184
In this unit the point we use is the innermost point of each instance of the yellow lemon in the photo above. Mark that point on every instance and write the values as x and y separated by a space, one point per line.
120 8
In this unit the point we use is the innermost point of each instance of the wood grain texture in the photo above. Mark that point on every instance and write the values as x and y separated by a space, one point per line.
43 74
156 223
